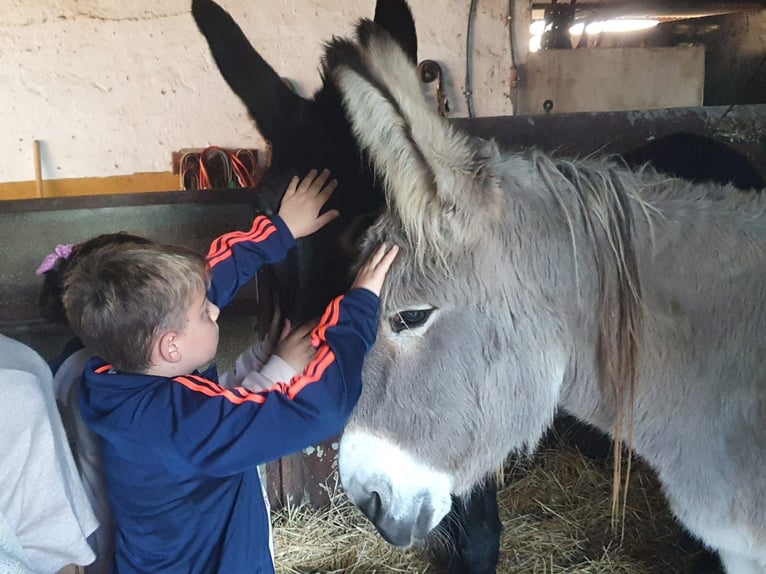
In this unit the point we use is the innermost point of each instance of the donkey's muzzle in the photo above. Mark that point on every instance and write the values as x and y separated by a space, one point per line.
401 496
400 531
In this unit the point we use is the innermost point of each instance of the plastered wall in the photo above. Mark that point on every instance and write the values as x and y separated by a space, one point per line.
113 87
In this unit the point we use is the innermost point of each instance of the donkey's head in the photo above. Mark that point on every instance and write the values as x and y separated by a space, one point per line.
305 134
466 365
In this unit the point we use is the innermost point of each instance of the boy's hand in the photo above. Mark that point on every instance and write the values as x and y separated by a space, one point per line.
304 199
375 269
294 348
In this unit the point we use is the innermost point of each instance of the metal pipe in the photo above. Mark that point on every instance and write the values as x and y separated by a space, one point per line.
468 60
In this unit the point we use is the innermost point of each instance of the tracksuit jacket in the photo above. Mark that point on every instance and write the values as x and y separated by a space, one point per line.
181 454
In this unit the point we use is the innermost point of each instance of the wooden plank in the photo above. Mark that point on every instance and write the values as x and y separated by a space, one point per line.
134 183
306 477
245 196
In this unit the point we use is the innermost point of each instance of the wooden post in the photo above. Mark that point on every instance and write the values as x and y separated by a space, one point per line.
38 168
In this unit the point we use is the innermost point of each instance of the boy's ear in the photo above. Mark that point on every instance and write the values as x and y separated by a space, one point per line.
168 347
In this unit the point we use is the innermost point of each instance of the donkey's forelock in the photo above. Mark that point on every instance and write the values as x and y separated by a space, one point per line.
432 173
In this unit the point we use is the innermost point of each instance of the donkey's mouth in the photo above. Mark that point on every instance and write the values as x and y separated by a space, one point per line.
402 497
399 531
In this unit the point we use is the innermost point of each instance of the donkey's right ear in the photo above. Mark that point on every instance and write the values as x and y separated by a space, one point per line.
270 101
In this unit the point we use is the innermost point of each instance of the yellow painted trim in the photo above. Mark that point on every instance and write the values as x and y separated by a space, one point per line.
135 183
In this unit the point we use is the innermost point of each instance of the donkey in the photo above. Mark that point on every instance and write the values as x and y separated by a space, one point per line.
314 133
527 283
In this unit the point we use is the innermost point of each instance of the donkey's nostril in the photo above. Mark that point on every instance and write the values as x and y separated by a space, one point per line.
372 507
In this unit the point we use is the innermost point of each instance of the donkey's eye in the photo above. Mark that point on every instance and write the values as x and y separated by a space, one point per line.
409 319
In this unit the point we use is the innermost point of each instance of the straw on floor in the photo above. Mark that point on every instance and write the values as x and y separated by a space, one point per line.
555 510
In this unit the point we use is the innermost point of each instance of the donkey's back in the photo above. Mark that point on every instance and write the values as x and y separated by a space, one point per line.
706 317
700 399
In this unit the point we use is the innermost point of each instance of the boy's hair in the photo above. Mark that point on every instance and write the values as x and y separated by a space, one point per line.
52 292
119 298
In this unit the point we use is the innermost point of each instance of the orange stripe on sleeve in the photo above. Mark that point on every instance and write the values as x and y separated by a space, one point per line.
219 244
104 369
256 239
313 373
220 250
311 369
212 390
203 381
299 382
222 243
329 319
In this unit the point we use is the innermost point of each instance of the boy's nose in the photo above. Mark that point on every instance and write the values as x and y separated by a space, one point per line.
215 312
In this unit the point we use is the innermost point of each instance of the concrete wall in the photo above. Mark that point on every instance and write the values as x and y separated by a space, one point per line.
112 87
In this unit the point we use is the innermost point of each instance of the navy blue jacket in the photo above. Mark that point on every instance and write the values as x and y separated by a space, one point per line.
181 454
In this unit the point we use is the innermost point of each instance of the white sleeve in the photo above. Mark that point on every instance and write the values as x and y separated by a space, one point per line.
46 505
257 368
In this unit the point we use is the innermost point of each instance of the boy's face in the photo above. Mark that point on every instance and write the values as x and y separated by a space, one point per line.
199 336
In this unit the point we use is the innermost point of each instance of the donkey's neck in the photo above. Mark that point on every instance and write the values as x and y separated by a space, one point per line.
591 208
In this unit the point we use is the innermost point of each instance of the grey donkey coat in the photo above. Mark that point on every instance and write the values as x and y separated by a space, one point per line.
525 283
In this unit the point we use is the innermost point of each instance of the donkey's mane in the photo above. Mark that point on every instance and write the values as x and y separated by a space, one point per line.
604 196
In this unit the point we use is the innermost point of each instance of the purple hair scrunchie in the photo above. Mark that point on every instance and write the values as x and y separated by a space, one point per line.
60 252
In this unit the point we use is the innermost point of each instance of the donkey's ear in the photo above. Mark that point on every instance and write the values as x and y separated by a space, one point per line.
434 175
395 17
269 100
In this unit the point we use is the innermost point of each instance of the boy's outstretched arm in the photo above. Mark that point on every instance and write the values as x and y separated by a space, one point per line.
235 258
234 429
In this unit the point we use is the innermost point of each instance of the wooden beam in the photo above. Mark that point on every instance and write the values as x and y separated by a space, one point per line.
134 183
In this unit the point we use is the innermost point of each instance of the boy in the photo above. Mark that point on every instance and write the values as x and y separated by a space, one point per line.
259 367
180 451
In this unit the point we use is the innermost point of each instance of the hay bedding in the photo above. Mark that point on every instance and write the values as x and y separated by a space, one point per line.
555 510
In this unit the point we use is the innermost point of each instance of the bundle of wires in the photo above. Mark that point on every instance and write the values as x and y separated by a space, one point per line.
218 168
